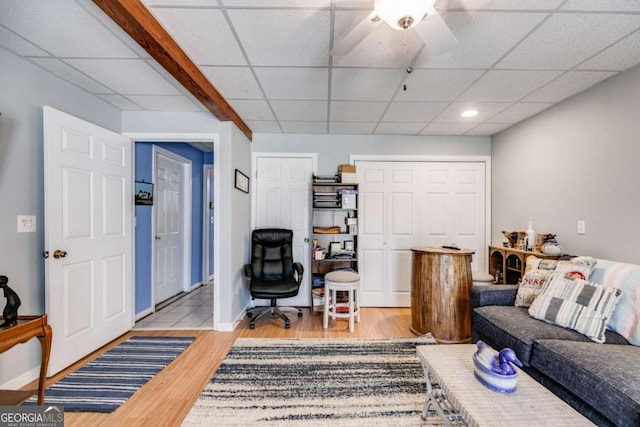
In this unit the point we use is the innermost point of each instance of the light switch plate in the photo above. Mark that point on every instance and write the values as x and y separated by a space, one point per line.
26 224
581 227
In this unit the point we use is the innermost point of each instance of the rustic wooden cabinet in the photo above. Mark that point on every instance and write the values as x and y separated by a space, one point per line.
507 264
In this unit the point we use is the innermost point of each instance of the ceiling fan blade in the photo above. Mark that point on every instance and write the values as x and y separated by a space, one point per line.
435 33
356 35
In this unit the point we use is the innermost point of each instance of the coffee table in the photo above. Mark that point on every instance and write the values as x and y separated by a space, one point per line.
463 400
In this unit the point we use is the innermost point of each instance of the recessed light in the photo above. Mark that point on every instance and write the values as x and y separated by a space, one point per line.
469 113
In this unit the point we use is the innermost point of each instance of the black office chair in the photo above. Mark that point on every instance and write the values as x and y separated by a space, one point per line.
272 273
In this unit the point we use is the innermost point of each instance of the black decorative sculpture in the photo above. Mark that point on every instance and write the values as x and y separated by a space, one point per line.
10 313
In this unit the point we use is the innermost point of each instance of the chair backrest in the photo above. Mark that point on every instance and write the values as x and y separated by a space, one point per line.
271 253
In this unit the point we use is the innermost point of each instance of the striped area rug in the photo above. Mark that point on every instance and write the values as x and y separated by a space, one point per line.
315 382
108 381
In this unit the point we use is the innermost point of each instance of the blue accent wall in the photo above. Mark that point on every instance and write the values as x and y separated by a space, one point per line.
144 232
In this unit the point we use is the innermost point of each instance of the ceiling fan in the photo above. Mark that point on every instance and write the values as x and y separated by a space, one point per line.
419 15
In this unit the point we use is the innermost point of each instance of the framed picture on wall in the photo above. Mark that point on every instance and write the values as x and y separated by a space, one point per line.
144 193
242 181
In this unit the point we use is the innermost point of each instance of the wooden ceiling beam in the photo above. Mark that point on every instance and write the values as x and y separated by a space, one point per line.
134 18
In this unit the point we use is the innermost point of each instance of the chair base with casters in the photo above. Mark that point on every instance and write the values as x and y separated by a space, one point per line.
254 313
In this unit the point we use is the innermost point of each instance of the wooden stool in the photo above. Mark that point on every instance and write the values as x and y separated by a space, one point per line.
335 281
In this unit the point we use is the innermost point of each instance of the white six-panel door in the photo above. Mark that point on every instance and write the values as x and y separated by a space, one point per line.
408 204
168 207
88 214
283 188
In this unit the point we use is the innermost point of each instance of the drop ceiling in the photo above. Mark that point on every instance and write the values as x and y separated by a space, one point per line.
270 60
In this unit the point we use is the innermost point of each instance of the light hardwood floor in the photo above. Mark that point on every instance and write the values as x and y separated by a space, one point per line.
166 399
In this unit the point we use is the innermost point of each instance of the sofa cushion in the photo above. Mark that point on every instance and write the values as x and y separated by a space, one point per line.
605 376
510 326
577 304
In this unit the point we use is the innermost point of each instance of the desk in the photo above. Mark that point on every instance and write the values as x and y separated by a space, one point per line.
28 327
441 294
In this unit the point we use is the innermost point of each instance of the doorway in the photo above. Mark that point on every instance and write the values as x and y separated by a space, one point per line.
194 307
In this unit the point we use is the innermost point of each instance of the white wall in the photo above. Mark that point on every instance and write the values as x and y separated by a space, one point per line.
335 149
24 90
579 160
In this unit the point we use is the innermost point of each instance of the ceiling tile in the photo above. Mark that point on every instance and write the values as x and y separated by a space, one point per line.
357 111
300 110
485 110
362 84
14 43
203 34
422 112
568 84
387 128
304 127
520 111
565 40
447 128
436 85
282 36
233 82
164 103
499 4
71 75
351 128
294 83
278 3
125 76
40 23
487 129
121 102
266 126
483 38
507 86
252 109
620 56
603 5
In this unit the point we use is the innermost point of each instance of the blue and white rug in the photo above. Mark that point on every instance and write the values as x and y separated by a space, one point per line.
316 382
108 381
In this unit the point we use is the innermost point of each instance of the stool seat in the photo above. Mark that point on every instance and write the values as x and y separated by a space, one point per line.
344 281
341 276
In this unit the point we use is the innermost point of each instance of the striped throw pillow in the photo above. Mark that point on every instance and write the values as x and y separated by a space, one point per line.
576 304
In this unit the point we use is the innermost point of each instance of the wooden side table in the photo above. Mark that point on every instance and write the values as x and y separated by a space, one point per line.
441 284
28 327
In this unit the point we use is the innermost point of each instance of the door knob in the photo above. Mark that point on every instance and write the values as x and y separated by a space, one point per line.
306 240
158 237
59 254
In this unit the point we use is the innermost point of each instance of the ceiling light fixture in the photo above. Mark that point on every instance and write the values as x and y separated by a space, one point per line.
469 113
402 14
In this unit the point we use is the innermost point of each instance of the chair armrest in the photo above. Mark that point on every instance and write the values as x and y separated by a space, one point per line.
493 295
299 271
247 270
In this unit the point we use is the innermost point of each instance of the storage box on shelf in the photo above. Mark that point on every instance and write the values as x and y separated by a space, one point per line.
334 231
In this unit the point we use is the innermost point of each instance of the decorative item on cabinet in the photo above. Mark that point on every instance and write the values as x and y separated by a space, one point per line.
507 265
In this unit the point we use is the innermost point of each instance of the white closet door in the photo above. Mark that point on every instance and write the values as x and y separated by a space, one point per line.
409 204
283 188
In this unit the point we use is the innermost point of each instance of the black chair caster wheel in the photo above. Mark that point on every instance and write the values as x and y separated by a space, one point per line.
299 314
287 325
249 315
252 326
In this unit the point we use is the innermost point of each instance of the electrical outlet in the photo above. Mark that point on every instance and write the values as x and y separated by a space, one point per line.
26 224
581 227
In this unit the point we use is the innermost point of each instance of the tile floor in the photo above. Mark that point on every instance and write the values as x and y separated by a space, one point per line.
192 311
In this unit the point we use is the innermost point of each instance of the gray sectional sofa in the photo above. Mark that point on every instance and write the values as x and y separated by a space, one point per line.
601 381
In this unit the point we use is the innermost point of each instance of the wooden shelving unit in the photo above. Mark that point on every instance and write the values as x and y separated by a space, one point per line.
508 264
334 221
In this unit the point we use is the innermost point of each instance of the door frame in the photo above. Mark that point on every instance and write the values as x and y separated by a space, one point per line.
186 211
444 159
212 138
206 223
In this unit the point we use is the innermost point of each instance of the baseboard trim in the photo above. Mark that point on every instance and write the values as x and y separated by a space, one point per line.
22 380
